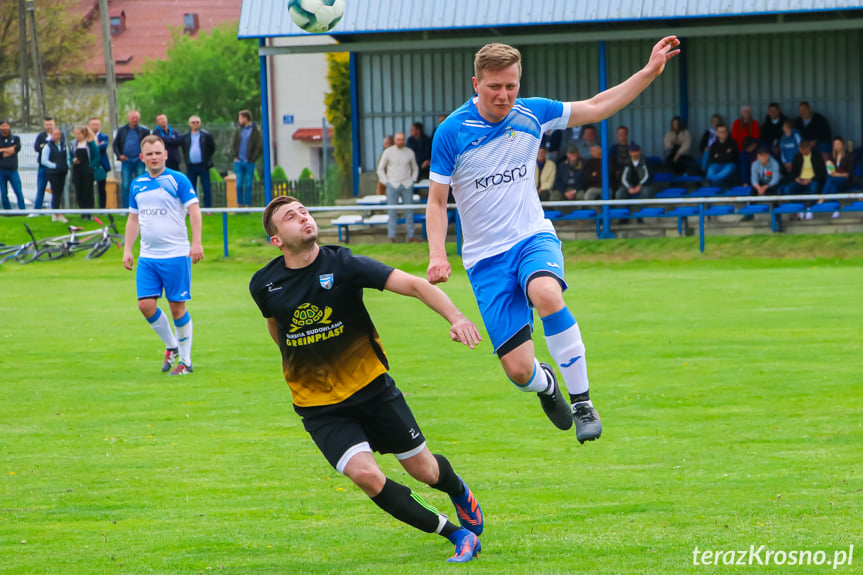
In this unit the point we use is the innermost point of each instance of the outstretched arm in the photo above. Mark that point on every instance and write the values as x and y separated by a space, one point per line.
461 329
614 99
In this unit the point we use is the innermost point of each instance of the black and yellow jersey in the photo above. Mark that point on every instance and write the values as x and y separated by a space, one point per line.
330 347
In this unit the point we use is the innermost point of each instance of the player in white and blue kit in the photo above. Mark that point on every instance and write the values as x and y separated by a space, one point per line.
486 151
158 203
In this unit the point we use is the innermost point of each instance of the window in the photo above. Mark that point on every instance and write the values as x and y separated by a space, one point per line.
190 23
118 23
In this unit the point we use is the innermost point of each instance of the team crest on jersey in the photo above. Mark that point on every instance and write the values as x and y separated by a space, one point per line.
510 134
326 281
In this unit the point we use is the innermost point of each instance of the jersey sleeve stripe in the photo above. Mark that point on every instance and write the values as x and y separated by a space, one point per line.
190 202
440 178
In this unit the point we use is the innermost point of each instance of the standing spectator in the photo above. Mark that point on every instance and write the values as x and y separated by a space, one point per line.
198 148
707 140
95 126
545 174
127 148
814 127
620 150
42 173
593 174
808 172
247 145
789 143
587 141
565 138
398 171
381 189
53 158
745 127
570 176
10 147
746 156
723 157
172 138
422 148
635 179
771 129
86 162
677 144
839 168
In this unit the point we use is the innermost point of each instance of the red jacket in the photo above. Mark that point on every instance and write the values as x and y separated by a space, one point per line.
739 132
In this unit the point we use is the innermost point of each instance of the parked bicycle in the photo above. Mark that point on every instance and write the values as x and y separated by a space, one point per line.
95 242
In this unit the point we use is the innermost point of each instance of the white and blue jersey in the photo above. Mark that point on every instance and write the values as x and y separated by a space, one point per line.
490 167
161 204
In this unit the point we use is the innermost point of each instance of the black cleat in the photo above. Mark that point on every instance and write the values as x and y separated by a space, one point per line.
587 424
556 406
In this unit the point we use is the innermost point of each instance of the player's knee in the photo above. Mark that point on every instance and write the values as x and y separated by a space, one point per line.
519 372
426 471
369 478
546 295
147 307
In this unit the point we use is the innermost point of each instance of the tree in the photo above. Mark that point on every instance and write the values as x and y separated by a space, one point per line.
212 75
338 102
63 42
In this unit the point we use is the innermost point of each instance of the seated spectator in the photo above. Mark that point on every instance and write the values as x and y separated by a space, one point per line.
569 184
808 172
814 127
546 172
722 158
764 175
789 143
566 138
593 174
771 128
747 156
707 140
745 127
620 150
636 178
587 141
840 168
677 144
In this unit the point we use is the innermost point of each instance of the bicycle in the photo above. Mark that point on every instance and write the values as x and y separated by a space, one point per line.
22 253
96 242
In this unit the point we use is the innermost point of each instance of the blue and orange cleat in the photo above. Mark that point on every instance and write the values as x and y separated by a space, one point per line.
467 546
468 510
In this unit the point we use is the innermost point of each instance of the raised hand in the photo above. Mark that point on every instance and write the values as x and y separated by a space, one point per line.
665 50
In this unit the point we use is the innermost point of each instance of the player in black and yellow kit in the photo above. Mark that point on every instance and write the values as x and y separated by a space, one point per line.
333 361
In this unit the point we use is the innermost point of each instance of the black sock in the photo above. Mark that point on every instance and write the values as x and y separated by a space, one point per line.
447 481
398 500
578 397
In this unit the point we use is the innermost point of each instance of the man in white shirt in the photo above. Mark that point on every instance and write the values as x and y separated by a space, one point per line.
398 171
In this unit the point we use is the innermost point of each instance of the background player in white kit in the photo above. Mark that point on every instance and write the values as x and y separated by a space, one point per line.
158 203
486 150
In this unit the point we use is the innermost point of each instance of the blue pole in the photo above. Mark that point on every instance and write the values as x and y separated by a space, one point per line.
355 124
265 126
603 131
225 232
701 227
683 80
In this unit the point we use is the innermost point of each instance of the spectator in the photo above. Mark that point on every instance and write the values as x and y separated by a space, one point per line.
86 162
763 175
746 157
723 157
636 179
565 138
707 140
593 174
422 148
789 143
587 141
839 168
247 145
808 172
677 145
172 138
127 148
398 171
814 127
569 184
620 150
54 159
42 172
771 129
199 147
551 142
545 174
95 125
10 147
382 188
745 127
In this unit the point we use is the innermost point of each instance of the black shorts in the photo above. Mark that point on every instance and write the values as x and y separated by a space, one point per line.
376 418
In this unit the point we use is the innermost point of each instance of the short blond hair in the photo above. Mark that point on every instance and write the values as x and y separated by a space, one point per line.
495 57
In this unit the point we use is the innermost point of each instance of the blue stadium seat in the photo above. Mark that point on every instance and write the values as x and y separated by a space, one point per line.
683 211
688 179
753 209
553 214
738 191
718 210
663 177
672 193
614 213
580 215
858 172
826 207
790 208
854 206
707 192
649 213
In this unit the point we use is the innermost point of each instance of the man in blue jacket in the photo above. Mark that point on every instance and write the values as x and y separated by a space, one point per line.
127 148
198 147
95 125
41 175
10 147
172 139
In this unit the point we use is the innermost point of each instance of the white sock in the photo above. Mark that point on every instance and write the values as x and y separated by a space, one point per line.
538 382
160 324
184 337
564 343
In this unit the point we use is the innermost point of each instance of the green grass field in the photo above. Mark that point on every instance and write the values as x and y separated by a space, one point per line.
729 387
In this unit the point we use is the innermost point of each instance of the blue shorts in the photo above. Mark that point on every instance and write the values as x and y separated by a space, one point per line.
172 274
500 284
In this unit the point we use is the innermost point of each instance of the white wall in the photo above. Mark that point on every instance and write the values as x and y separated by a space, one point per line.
299 82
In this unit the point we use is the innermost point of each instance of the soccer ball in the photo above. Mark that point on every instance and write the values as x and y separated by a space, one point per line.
316 16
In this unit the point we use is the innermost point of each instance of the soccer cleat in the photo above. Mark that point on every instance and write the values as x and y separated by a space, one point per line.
587 424
468 510
170 358
556 406
467 546
182 369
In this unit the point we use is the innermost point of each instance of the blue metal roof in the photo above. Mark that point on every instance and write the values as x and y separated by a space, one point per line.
266 18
